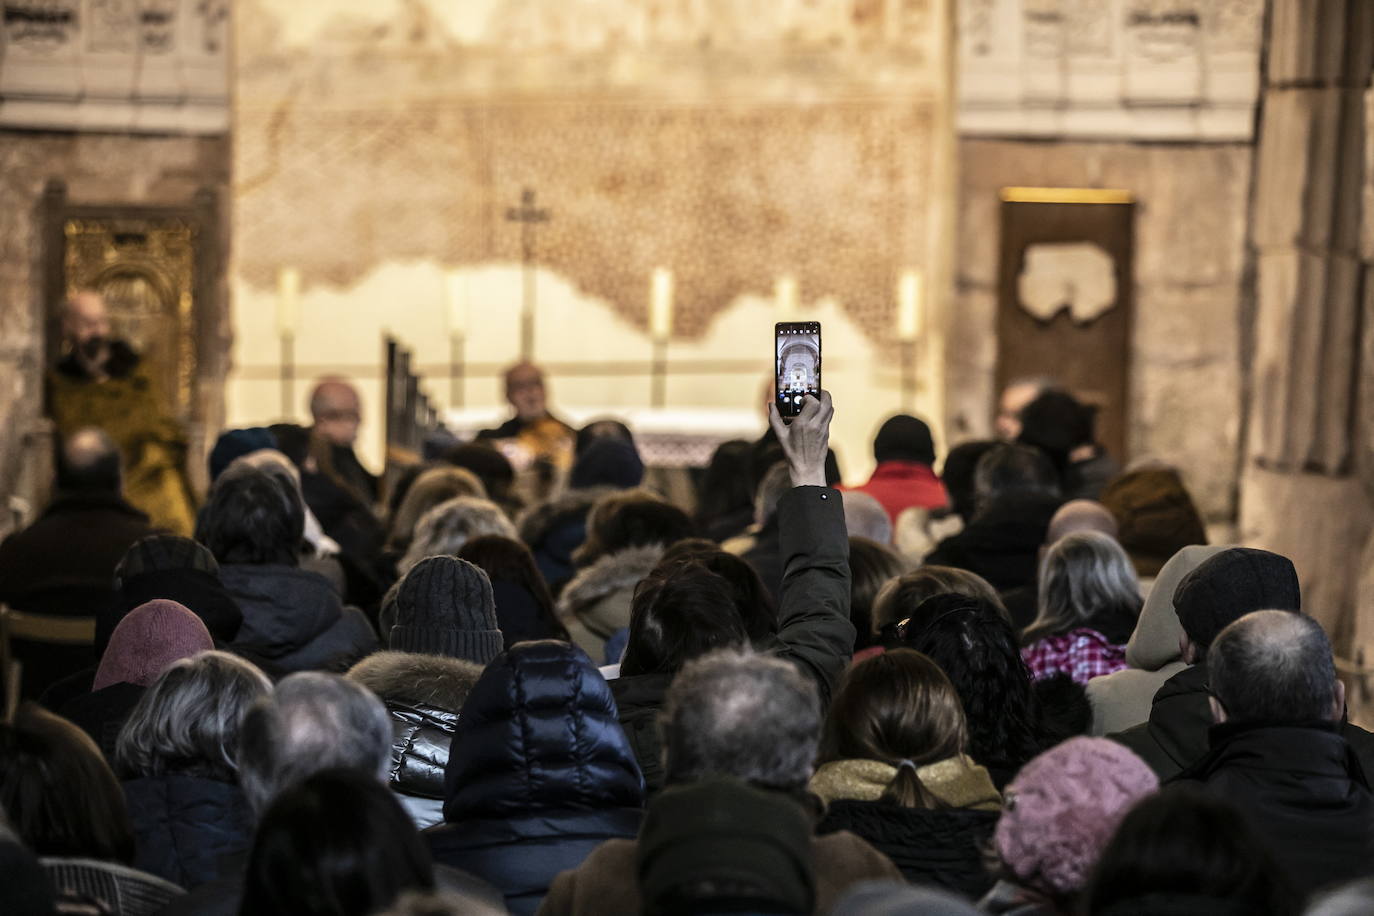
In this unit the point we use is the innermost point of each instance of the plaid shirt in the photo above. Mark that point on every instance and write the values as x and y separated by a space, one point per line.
1082 654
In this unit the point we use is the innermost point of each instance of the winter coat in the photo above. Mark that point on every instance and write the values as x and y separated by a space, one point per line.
1304 790
1175 735
184 826
607 882
764 554
293 620
639 699
902 485
554 529
102 713
423 694
941 847
1122 700
596 603
539 774
1001 543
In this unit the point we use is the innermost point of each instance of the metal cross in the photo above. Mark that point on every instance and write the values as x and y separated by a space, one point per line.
528 216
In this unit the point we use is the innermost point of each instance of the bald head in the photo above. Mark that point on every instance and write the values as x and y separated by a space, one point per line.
1274 667
1015 398
336 410
525 391
89 463
1081 515
86 329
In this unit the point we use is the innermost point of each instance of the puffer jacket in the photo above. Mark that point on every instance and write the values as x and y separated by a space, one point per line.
597 601
294 620
423 694
185 825
540 773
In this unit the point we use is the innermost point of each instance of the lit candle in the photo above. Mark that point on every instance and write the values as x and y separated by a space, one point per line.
785 294
456 301
288 301
909 305
661 304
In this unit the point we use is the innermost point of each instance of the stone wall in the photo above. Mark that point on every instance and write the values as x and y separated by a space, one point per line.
98 169
1189 279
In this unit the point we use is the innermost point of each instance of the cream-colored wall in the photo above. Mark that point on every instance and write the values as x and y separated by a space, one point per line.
342 332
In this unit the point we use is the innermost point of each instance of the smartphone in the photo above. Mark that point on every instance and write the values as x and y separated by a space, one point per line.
797 345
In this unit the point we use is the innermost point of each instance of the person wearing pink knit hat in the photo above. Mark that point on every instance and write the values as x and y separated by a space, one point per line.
1059 813
144 644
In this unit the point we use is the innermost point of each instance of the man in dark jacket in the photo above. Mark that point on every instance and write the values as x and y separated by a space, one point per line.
1276 751
1219 591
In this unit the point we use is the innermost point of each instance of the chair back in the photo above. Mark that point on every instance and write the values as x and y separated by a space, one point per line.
49 629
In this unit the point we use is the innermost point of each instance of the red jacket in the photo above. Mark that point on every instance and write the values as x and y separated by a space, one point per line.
900 485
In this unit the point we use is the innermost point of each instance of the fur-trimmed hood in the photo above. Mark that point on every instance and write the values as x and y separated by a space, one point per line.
536 522
417 680
612 573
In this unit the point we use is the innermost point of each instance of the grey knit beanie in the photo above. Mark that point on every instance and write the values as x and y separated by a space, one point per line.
444 606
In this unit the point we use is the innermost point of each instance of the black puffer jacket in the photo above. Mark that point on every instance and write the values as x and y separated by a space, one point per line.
185 826
540 773
423 694
293 620
943 848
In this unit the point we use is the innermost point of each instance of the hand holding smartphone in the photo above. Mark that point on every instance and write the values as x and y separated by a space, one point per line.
797 350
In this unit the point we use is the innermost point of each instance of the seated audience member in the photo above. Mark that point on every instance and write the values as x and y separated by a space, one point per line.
757 609
336 411
293 619
443 530
146 643
730 714
1074 516
763 551
491 468
959 477
335 843
1221 590
177 754
441 627
865 517
1015 397
540 773
627 535
65 805
904 477
723 846
1183 852
971 640
1060 811
900 597
64 562
872 565
1153 655
1017 494
725 502
1066 430
1089 604
893 770
1156 516
1277 753
430 488
524 607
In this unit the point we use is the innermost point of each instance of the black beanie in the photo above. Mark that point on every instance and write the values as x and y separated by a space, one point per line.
444 606
904 438
723 832
1231 584
608 462
177 569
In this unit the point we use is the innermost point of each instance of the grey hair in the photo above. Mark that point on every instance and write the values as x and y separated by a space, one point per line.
772 488
865 517
1086 580
191 717
1273 666
740 714
1355 899
443 530
311 722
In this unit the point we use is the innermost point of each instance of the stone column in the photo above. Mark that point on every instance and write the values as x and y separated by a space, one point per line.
1307 489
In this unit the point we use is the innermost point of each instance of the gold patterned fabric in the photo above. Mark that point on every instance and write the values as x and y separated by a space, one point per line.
957 781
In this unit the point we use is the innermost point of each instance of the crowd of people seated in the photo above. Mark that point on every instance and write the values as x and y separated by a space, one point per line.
1023 684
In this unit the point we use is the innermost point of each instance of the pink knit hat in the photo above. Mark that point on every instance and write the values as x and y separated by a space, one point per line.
1064 806
148 640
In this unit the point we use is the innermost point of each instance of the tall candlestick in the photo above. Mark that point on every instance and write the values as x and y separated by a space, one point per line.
909 301
456 302
288 301
785 294
661 304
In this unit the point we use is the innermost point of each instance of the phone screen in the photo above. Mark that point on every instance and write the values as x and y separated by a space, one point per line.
798 352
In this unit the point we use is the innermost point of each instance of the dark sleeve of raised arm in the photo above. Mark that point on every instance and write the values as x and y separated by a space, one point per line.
814 629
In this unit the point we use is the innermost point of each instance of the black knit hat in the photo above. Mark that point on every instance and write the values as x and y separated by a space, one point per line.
444 606
165 551
178 569
904 438
1235 582
723 834
608 462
